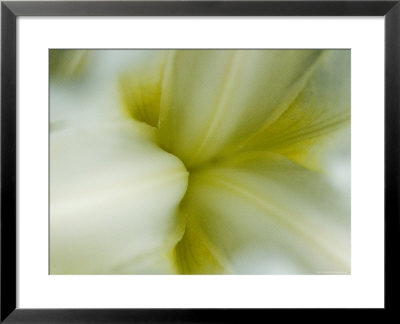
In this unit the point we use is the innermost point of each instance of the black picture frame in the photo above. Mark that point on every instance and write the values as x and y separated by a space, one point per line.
9 13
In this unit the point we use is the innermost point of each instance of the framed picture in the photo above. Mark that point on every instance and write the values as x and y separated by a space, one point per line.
196 161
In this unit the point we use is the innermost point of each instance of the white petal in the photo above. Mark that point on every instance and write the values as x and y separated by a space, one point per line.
113 201
306 131
68 64
97 94
141 88
213 99
263 213
113 193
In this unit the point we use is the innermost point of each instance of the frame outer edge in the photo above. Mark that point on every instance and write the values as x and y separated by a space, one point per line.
392 154
203 8
8 172
8 161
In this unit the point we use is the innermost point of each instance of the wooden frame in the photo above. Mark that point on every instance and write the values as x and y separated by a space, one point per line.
11 10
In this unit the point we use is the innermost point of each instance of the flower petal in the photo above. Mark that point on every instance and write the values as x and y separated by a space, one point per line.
304 130
195 254
141 88
114 194
114 197
213 99
68 64
264 214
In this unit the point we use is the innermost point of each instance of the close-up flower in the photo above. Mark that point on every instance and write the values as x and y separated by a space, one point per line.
200 161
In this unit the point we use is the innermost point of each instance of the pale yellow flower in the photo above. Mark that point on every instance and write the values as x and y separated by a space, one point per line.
202 162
